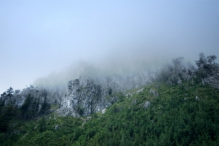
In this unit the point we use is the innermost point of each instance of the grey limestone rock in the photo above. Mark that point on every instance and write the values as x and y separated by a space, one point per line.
212 80
134 102
88 95
147 104
141 90
84 98
179 82
103 111
154 92
56 127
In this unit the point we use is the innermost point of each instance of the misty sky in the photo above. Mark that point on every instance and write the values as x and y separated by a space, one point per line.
38 37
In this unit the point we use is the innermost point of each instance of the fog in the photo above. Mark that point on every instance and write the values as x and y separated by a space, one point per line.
47 43
101 69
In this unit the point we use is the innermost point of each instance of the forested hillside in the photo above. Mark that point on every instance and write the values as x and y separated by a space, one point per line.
177 106
109 73
161 114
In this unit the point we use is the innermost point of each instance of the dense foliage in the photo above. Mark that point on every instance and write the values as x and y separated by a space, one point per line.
28 111
185 114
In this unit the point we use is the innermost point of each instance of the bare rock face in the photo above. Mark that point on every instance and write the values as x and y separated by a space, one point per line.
85 97
56 127
154 92
208 70
212 81
89 95
174 79
103 111
147 104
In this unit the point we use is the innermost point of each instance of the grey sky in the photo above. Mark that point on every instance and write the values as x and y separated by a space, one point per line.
43 36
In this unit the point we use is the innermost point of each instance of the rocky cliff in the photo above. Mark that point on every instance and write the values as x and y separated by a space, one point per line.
89 95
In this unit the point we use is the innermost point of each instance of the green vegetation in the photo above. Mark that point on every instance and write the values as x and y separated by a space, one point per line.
175 117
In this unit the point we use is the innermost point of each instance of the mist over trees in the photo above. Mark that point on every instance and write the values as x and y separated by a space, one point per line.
27 104
206 72
175 108
34 101
172 73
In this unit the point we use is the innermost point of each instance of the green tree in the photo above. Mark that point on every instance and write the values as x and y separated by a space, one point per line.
10 92
7 113
45 106
42 124
26 107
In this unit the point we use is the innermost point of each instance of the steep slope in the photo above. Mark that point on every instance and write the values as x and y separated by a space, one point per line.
89 95
93 93
161 114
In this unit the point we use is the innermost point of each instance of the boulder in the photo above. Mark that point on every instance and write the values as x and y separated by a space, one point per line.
147 104
103 111
56 127
85 97
134 102
154 92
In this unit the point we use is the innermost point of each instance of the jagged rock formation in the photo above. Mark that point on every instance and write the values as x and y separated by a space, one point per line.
209 74
177 72
89 95
17 99
211 81
206 73
85 97
208 70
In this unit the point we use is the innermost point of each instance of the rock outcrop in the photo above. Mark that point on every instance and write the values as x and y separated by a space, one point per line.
89 95
155 93
211 80
85 97
17 99
146 104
